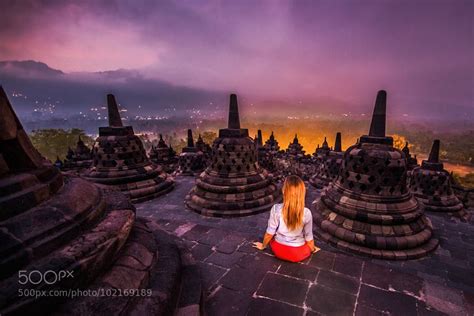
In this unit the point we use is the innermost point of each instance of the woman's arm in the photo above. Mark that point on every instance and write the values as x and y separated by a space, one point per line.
266 240
311 246
271 230
308 233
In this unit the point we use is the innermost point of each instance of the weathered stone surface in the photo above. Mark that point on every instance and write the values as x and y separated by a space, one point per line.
227 302
52 225
431 185
328 163
392 302
78 159
234 184
338 281
191 161
120 162
299 271
330 301
368 209
276 286
240 282
262 306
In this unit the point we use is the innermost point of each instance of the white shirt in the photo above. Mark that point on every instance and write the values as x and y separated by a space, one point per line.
295 238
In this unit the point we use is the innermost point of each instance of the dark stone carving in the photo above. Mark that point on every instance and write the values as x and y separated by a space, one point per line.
431 185
191 160
78 159
164 156
412 162
120 161
328 163
295 149
55 226
234 184
369 209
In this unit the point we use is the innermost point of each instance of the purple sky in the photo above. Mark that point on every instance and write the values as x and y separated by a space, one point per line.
421 51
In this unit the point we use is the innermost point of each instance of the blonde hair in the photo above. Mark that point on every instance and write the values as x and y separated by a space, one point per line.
294 192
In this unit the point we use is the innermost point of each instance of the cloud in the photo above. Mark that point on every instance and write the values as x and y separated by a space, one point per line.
421 51
75 92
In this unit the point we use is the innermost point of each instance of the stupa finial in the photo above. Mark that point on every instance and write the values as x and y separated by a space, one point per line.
17 150
190 138
434 153
338 144
377 126
234 120
114 114
259 138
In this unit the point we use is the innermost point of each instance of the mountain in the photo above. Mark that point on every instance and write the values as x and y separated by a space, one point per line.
79 91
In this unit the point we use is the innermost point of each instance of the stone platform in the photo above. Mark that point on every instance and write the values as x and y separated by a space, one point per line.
239 280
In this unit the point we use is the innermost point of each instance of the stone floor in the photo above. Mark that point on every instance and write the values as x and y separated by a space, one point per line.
240 280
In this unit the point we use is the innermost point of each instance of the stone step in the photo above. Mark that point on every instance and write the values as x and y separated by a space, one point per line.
20 201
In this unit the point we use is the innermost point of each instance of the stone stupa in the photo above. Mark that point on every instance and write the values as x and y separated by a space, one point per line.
328 164
412 162
369 210
234 184
205 148
120 161
78 159
164 155
68 234
191 160
272 144
431 185
295 149
323 150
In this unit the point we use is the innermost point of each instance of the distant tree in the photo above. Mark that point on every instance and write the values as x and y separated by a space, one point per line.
466 181
208 137
398 141
53 142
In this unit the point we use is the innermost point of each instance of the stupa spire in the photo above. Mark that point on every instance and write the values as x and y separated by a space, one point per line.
259 138
234 120
434 153
16 149
325 143
190 138
377 126
114 114
338 144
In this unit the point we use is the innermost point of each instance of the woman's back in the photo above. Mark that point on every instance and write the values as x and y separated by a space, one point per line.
290 237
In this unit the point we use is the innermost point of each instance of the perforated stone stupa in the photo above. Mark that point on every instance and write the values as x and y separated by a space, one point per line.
164 155
431 185
120 161
265 155
328 164
234 184
323 150
295 149
369 209
191 161
58 226
78 159
272 144
412 162
205 148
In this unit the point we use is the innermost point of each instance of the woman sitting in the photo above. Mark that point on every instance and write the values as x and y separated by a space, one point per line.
291 224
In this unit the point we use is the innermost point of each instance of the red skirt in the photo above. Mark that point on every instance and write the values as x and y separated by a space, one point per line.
289 253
